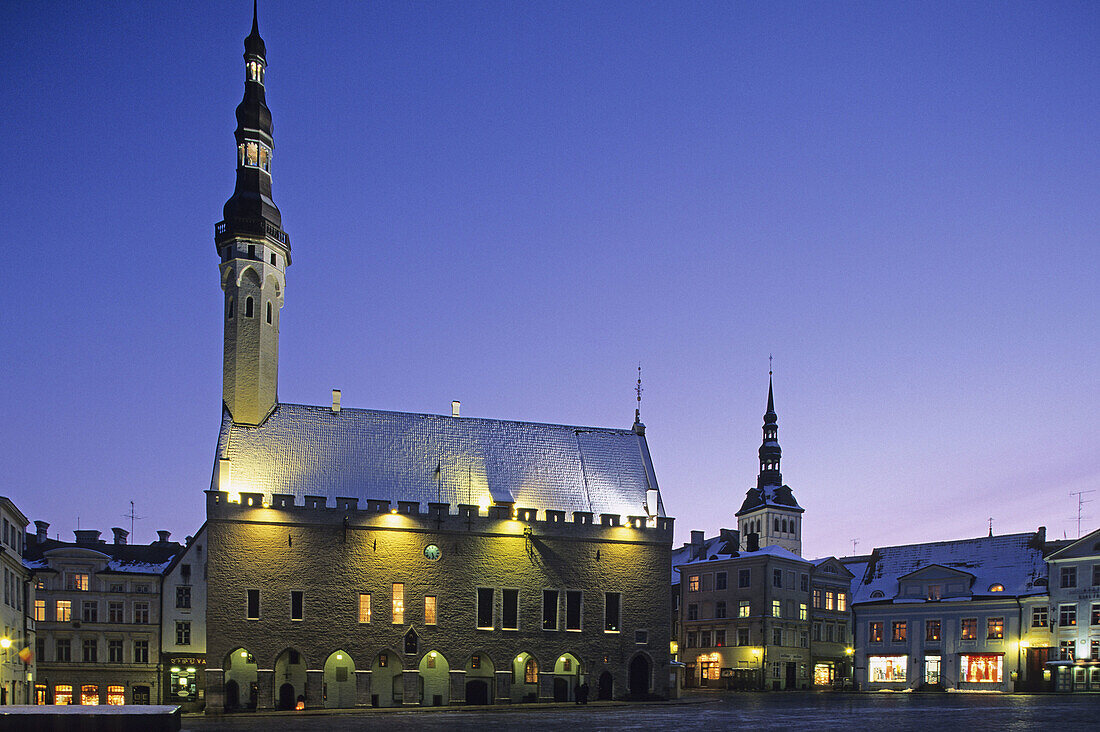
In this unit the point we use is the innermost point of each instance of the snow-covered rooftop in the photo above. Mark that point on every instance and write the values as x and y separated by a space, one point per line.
1012 560
717 548
362 453
769 496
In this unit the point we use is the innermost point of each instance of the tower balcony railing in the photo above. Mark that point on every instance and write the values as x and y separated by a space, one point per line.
262 227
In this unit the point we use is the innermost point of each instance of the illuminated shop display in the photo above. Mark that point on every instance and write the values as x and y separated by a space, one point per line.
980 668
823 674
886 669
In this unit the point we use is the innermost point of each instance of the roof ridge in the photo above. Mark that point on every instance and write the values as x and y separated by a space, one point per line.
593 428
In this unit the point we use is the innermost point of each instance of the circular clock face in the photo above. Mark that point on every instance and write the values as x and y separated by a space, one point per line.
432 552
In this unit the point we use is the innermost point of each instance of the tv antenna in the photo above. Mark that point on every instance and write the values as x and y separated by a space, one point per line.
1081 501
638 393
133 517
855 543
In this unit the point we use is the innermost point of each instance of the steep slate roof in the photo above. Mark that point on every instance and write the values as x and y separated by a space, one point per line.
365 453
1013 560
769 495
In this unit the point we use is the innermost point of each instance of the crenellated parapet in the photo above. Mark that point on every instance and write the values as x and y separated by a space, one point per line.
379 513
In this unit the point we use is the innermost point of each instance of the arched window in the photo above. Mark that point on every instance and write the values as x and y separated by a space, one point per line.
248 308
777 525
784 526
269 313
531 672
229 314
877 594
996 587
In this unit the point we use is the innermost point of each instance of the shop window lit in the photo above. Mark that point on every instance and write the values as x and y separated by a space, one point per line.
886 669
89 695
63 694
875 632
931 669
399 603
981 668
429 610
116 695
968 628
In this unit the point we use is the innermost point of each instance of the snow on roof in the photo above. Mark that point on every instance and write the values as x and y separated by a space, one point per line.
1012 560
363 453
716 548
115 565
779 496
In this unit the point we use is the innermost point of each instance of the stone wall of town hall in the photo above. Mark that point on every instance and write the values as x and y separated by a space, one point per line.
332 556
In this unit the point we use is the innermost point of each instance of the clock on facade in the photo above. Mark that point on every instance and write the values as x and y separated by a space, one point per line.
432 552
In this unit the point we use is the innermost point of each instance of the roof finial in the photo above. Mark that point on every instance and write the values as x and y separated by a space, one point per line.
255 24
771 399
638 392
769 364
991 526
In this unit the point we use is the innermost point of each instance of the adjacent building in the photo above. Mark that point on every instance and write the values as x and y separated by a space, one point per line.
96 609
951 614
16 626
183 625
1072 662
358 557
747 600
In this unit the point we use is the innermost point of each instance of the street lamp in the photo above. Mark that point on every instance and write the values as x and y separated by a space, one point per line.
759 654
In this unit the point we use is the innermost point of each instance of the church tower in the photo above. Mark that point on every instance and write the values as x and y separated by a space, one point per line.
770 509
254 252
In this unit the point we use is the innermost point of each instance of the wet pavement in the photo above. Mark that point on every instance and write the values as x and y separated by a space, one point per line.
776 711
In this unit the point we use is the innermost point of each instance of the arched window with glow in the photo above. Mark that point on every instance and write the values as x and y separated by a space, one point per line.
531 672
255 72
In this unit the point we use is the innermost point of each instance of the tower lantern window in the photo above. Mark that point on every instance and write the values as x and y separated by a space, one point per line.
254 155
255 71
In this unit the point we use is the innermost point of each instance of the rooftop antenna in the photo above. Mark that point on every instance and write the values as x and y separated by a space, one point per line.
132 516
991 526
638 392
769 364
1081 501
855 543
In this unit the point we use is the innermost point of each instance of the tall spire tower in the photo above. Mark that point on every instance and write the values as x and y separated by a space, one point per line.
770 509
254 252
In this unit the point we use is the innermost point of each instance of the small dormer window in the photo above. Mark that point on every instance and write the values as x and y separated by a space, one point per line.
996 587
877 594
255 71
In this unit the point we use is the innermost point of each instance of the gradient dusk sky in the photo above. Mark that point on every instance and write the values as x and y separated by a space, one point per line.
514 203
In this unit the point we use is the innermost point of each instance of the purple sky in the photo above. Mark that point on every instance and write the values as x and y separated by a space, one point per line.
512 204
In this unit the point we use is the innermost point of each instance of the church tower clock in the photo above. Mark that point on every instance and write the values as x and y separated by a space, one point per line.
254 252
770 509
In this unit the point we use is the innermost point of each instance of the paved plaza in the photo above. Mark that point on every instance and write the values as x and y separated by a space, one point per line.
784 711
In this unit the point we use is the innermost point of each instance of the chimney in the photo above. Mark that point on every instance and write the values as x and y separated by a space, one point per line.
335 401
697 540
120 535
87 536
40 529
456 407
162 537
732 539
752 542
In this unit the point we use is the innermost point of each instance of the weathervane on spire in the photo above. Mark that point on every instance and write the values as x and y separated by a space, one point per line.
638 392
769 364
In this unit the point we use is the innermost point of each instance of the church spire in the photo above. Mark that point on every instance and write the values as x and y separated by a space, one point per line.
254 252
770 452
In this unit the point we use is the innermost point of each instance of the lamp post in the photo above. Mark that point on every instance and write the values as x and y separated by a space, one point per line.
850 653
760 654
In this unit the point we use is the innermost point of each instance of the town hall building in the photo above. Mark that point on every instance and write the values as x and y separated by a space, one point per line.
359 557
